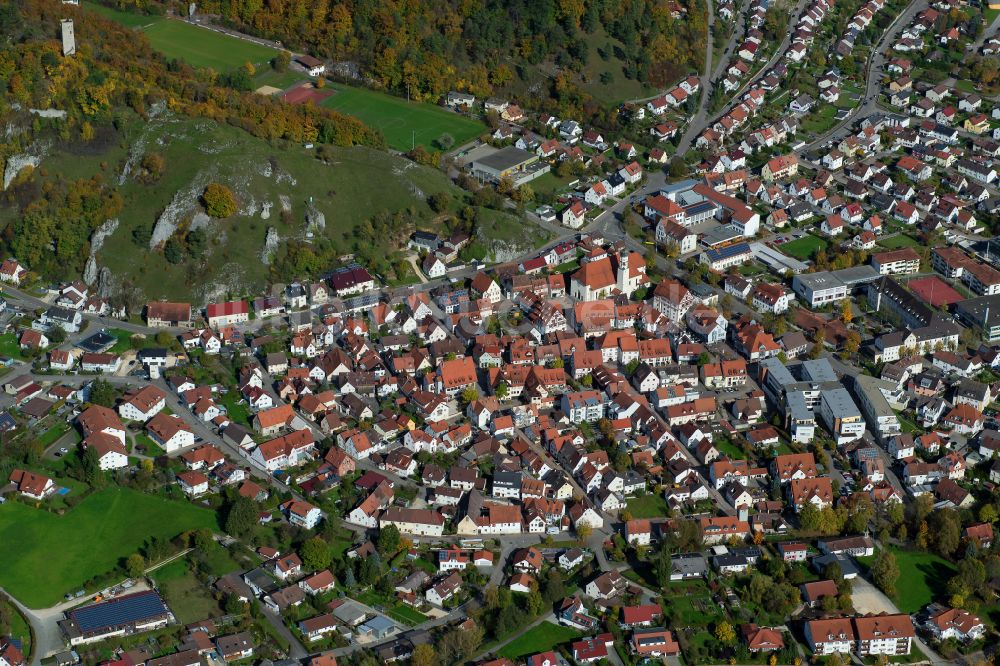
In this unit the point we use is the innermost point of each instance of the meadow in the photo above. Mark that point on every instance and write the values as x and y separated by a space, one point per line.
90 539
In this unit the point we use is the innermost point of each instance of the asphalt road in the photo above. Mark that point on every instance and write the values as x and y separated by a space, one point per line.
698 125
874 70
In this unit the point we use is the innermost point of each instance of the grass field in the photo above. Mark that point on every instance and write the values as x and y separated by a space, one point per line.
90 539
396 610
899 241
52 434
199 47
403 123
539 638
124 340
821 119
923 578
9 346
803 248
236 408
614 87
647 506
187 598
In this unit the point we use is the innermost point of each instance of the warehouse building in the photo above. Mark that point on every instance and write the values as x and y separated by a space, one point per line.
491 165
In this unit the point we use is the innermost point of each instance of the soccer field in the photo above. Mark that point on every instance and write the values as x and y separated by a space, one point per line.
199 47
45 555
404 124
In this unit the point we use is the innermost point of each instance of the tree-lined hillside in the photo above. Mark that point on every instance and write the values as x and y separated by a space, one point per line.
426 47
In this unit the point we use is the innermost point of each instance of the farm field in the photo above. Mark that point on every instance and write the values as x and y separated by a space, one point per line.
403 123
539 638
803 248
199 47
90 539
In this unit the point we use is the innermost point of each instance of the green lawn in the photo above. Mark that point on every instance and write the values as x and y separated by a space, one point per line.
127 19
550 184
197 46
52 434
923 578
804 248
647 506
899 241
693 611
396 610
150 448
9 346
820 120
539 638
89 540
269 77
124 339
728 448
235 407
403 123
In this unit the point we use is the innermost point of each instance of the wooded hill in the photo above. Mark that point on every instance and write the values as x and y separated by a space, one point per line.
427 47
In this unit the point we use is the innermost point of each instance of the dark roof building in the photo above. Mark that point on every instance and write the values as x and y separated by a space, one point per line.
129 614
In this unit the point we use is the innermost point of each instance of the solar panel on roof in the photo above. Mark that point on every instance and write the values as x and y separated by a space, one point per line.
117 612
727 252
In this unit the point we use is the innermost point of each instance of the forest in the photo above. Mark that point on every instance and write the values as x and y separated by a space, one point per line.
424 48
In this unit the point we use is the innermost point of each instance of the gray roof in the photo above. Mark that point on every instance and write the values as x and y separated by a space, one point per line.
505 158
870 388
841 404
688 563
818 370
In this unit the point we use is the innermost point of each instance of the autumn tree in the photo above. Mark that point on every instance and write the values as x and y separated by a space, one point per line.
846 313
946 528
885 571
725 633
281 61
151 168
135 565
219 201
423 655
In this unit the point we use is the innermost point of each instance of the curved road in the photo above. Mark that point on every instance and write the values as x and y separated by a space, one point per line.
698 125
874 68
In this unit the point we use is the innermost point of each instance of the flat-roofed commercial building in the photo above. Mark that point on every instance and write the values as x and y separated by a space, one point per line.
491 165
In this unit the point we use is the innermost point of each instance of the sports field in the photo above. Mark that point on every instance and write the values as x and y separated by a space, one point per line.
404 124
199 47
89 540
935 291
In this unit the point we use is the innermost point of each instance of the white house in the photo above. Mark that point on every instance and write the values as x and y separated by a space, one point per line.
143 404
